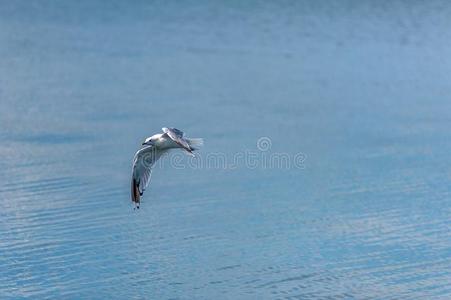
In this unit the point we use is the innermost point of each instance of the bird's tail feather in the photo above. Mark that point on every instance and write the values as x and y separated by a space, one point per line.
194 143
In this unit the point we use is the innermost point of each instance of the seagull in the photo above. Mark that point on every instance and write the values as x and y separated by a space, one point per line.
154 147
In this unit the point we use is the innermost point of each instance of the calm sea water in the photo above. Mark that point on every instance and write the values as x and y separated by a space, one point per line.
360 88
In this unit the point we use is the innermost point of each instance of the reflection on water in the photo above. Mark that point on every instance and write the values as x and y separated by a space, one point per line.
361 88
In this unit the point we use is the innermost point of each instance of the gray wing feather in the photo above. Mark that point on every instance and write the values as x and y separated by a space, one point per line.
175 131
177 136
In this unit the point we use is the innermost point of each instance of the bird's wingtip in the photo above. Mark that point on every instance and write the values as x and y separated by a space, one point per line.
136 195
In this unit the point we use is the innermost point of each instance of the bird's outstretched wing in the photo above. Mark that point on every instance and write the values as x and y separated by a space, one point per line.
143 162
177 136
176 131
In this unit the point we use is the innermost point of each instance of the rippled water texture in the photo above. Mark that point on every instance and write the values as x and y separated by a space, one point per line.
361 88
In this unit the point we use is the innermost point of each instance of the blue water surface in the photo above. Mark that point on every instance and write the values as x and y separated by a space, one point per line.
359 89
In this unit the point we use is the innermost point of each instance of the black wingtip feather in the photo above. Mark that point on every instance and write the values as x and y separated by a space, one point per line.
136 195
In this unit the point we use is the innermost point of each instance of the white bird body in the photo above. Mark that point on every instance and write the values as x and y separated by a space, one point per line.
162 141
155 147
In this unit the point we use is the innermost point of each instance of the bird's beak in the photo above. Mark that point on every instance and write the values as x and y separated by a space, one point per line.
149 143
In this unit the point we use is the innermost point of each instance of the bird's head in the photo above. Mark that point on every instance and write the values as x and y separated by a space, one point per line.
149 141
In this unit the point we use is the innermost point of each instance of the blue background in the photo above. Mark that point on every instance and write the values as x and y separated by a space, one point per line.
361 88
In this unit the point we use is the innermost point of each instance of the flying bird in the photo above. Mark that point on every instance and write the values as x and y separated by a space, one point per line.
154 147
